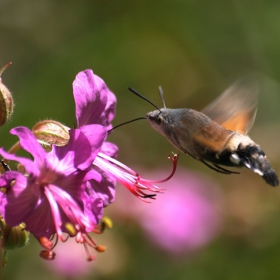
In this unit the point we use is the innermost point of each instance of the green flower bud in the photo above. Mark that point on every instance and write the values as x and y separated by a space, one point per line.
12 237
51 132
6 100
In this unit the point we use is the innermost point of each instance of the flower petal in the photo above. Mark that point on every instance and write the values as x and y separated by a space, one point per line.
29 143
96 135
76 154
90 94
100 185
29 165
109 149
20 200
40 222
110 111
93 209
74 183
105 189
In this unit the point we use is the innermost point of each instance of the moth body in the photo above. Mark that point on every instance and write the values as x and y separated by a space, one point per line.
184 127
217 136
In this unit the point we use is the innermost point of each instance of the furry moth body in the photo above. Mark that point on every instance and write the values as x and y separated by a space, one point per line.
217 135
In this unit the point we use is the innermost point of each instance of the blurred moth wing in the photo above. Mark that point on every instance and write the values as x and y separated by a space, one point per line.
235 109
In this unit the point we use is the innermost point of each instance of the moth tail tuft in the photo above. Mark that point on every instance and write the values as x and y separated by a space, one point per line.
255 159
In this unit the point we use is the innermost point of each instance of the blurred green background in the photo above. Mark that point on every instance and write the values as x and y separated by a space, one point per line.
194 50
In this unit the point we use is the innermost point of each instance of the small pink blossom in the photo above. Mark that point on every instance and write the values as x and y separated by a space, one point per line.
183 219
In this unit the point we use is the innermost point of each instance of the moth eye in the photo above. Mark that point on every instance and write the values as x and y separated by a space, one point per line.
158 121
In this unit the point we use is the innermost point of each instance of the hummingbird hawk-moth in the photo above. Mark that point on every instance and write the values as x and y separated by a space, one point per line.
218 134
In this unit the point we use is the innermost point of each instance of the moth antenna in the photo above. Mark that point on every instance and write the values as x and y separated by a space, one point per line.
143 97
161 96
137 119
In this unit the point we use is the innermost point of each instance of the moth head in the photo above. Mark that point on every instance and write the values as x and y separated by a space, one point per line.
157 119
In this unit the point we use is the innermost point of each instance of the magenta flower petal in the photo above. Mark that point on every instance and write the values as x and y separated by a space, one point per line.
14 202
40 222
29 143
91 96
102 186
55 196
105 189
80 151
29 164
110 111
93 208
96 134
96 104
109 149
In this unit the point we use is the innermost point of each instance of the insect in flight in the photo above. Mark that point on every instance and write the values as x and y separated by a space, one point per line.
218 134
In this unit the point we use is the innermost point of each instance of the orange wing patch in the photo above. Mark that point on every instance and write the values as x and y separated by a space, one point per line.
212 137
209 144
238 122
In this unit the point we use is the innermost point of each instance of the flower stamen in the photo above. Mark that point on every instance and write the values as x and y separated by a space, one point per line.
130 179
47 255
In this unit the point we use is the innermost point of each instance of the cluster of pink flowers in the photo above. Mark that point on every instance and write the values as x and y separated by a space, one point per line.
61 193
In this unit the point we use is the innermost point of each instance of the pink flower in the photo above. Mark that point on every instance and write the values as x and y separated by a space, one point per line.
53 198
185 218
95 104
66 189
69 263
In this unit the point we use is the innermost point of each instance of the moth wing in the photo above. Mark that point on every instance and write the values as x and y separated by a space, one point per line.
198 134
235 109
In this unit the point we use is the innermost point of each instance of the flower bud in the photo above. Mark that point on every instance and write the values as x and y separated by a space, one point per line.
49 132
13 237
6 100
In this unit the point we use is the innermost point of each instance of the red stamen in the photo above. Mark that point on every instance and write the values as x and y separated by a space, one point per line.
89 256
46 243
101 248
174 161
130 179
47 255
